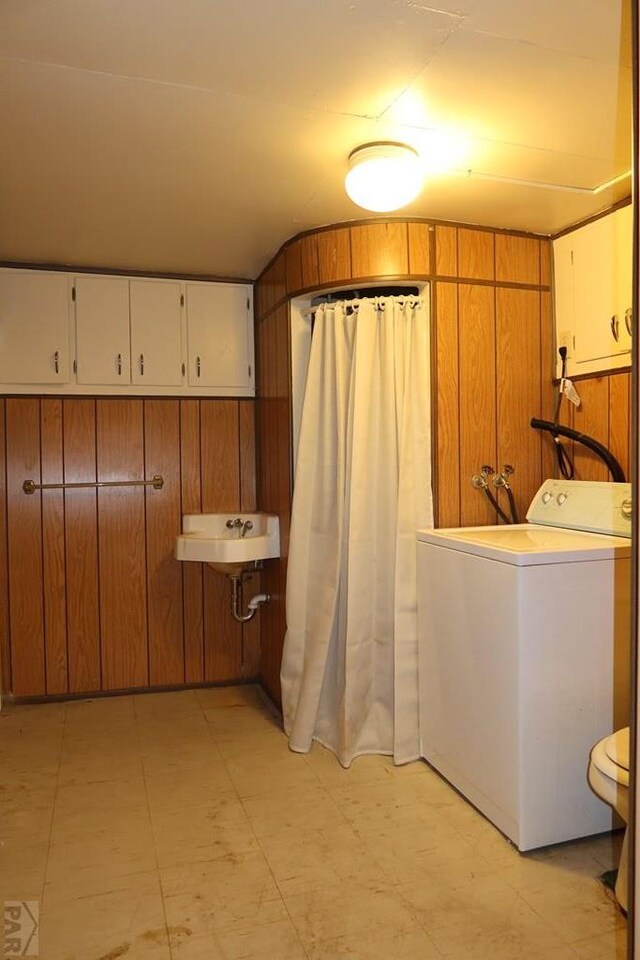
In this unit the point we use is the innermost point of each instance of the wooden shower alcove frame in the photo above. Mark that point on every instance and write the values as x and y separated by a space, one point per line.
492 367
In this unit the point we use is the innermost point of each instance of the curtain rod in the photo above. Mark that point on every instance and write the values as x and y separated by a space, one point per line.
412 300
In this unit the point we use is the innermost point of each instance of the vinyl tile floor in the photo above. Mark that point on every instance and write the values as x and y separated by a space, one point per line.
179 826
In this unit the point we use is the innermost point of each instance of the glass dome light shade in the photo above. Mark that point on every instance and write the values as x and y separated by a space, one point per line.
383 176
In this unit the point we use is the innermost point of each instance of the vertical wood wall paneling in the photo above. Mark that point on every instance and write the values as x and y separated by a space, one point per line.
81 546
267 290
420 235
247 451
477 397
258 299
274 625
447 406
283 438
592 418
379 250
334 256
301 265
273 456
5 642
267 461
517 259
545 263
53 547
620 418
25 549
548 391
121 528
87 566
279 272
293 266
252 583
192 573
567 418
281 493
519 392
220 469
309 258
446 240
476 254
163 521
250 652
220 493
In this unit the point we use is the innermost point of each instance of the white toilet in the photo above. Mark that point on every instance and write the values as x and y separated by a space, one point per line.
608 777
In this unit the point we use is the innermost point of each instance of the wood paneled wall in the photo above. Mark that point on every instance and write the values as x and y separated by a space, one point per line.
91 598
274 478
605 415
492 366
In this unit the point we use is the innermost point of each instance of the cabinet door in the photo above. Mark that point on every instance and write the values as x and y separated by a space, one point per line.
102 330
602 287
219 335
156 332
34 327
623 246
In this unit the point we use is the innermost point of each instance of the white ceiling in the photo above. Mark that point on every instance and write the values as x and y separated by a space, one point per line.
197 135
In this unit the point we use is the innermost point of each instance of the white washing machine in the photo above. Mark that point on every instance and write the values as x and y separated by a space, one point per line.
524 636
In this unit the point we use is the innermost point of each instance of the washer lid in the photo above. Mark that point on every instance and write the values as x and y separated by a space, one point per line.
528 544
617 748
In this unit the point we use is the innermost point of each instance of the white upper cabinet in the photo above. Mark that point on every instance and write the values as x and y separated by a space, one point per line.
220 335
34 327
102 330
156 332
602 262
593 293
114 335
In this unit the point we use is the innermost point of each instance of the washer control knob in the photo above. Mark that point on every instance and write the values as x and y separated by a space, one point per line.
546 497
625 509
561 498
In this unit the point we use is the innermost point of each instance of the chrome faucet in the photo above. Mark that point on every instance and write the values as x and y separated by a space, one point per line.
481 480
242 526
502 479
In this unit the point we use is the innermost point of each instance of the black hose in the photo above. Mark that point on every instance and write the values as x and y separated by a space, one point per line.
496 506
512 505
565 463
563 357
616 471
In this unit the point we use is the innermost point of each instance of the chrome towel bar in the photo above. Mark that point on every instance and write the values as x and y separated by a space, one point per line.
30 486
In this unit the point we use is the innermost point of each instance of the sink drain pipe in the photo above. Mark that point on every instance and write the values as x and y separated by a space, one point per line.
236 601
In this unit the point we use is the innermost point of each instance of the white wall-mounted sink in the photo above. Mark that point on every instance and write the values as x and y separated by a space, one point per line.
229 543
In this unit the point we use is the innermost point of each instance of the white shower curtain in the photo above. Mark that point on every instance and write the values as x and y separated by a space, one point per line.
362 488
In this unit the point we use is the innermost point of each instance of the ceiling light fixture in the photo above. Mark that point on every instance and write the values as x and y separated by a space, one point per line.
383 176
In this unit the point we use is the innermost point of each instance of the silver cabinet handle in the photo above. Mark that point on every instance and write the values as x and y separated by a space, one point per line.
628 317
119 364
615 333
142 364
56 361
198 366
